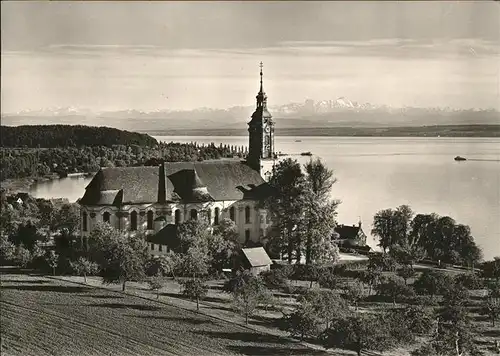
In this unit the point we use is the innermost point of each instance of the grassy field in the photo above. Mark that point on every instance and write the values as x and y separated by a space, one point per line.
40 316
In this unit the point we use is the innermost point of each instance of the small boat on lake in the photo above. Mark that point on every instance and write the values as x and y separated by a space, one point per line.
460 158
306 153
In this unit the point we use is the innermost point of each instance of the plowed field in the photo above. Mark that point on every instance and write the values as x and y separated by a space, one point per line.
40 316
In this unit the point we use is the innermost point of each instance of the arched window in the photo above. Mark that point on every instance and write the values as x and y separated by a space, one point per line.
194 214
84 221
209 216
150 220
247 236
231 213
133 220
247 215
177 217
106 217
216 216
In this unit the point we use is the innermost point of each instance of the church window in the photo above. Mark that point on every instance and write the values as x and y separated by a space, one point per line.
84 221
177 217
194 214
209 216
247 215
150 220
106 217
133 220
231 213
216 216
247 235
160 248
152 247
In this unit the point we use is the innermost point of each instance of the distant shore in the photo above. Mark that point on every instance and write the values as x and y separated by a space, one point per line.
410 131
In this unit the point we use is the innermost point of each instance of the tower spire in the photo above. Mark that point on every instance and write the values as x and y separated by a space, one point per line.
261 75
261 96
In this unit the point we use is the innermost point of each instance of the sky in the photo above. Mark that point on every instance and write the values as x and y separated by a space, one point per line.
185 55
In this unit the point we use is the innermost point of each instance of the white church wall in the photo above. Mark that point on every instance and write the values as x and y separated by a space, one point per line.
120 218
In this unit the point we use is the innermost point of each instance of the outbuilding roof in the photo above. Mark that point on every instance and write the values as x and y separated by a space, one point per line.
256 256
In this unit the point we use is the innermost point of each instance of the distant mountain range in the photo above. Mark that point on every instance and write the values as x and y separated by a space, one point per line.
340 112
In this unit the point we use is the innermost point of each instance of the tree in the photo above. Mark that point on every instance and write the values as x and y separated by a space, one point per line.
354 292
248 294
406 254
359 332
383 228
192 233
163 265
22 256
371 277
68 218
394 288
52 261
124 258
7 250
277 278
222 249
494 289
194 263
432 282
417 320
286 205
302 322
328 279
491 308
469 280
452 335
84 267
381 262
320 212
326 305
195 289
156 283
491 269
406 272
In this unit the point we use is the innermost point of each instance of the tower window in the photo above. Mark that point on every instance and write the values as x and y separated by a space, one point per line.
84 221
177 217
209 215
150 220
231 213
106 217
247 235
247 215
194 214
216 216
133 221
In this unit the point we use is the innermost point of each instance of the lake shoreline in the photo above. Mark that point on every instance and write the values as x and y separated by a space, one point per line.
24 185
462 131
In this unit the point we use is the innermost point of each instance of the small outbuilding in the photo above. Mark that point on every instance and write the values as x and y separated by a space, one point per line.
255 259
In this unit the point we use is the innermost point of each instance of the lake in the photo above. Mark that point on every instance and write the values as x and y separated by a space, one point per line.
376 173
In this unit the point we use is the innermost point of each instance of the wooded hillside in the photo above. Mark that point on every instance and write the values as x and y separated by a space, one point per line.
49 136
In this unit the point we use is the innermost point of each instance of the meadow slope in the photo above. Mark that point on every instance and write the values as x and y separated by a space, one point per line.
40 316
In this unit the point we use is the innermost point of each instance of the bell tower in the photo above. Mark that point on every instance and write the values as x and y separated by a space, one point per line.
260 130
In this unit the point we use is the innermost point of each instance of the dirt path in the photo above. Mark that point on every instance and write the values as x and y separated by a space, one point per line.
40 316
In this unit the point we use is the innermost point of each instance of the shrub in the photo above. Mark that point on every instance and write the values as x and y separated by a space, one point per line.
276 278
469 280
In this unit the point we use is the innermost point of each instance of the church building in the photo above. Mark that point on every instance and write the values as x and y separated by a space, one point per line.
156 199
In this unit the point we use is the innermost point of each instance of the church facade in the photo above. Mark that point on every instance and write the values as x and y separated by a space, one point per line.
156 199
